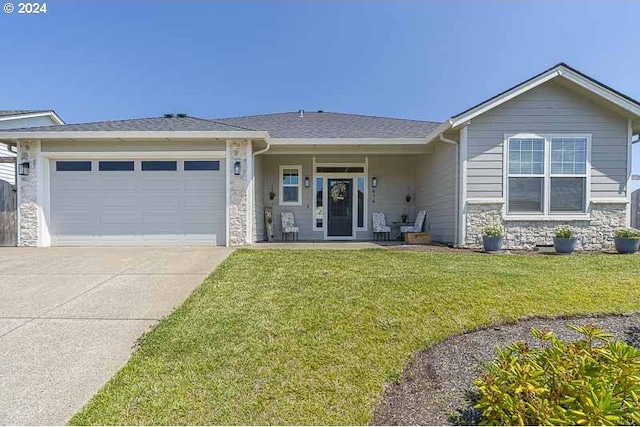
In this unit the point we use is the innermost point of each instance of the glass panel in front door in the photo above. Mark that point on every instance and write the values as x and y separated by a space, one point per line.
340 207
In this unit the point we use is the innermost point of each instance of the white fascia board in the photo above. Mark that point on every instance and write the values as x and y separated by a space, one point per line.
52 115
562 72
439 131
348 141
73 135
219 154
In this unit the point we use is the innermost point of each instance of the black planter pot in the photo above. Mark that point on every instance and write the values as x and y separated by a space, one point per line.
564 245
626 246
492 244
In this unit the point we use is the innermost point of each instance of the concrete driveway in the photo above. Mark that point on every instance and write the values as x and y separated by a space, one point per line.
70 318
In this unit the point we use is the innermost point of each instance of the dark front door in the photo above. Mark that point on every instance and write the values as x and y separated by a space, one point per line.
340 209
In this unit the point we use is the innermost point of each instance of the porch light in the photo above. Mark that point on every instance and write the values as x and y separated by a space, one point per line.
307 183
23 169
236 168
374 182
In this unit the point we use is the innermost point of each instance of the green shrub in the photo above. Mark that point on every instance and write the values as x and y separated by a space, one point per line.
492 231
564 232
627 233
594 381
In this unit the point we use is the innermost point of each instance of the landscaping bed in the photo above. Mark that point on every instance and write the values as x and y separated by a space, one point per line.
314 336
434 387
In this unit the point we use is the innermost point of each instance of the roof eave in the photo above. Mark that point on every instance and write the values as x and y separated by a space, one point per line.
347 141
97 135
52 114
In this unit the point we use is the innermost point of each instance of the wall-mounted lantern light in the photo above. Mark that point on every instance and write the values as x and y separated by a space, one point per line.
23 169
374 182
236 168
307 183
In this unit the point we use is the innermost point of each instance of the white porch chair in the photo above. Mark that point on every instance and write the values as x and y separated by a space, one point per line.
289 226
380 226
417 226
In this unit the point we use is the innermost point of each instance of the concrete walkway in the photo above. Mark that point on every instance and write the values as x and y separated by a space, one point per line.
346 245
70 318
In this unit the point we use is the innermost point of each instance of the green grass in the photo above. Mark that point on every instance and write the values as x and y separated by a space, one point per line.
311 337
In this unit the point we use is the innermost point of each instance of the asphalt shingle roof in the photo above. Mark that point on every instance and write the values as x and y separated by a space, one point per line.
5 113
333 125
158 124
279 125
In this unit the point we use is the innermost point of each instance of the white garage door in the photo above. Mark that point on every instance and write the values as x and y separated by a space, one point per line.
137 202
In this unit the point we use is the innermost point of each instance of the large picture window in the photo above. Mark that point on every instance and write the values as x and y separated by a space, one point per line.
547 174
290 183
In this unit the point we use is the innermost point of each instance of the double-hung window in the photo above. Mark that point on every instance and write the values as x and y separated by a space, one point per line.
547 174
290 185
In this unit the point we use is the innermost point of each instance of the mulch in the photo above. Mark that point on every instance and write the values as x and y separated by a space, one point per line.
434 388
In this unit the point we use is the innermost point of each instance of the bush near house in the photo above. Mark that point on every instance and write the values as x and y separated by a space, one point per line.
563 383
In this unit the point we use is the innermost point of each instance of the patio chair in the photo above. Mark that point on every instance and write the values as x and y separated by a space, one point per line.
380 226
417 226
289 226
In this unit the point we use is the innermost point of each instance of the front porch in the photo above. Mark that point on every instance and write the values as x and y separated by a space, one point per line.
332 196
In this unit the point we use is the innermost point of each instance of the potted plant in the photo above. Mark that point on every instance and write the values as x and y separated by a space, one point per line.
564 241
272 195
492 238
408 198
404 217
627 240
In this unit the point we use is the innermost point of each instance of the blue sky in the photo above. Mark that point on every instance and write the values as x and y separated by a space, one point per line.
426 60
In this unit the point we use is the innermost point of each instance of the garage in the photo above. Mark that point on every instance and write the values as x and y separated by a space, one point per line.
114 202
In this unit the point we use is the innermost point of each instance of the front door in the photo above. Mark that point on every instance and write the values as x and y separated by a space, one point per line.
340 207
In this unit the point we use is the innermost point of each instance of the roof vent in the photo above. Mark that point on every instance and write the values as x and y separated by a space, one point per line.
181 115
301 113
168 116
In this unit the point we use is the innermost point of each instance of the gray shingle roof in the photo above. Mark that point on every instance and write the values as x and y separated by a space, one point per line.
333 125
5 113
279 125
158 124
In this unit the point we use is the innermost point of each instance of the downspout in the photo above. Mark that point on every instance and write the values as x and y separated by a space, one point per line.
457 174
253 179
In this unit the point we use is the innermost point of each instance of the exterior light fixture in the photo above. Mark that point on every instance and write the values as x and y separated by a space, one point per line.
307 183
23 169
374 182
236 168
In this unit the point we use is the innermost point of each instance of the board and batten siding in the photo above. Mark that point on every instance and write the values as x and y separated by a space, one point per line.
548 108
436 191
7 170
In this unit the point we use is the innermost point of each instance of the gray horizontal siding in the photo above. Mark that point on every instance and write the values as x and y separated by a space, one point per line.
436 191
549 108
395 175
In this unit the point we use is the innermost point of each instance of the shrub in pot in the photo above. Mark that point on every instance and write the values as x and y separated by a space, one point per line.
627 240
492 238
564 241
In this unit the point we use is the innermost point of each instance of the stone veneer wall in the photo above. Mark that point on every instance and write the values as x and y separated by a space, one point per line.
593 234
28 195
238 150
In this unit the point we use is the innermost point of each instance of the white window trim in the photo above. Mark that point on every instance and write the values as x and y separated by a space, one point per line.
546 214
281 185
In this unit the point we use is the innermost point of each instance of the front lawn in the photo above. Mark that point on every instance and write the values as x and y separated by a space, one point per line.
311 337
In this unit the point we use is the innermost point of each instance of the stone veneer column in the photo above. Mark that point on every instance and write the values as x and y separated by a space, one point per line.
238 150
28 194
595 233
